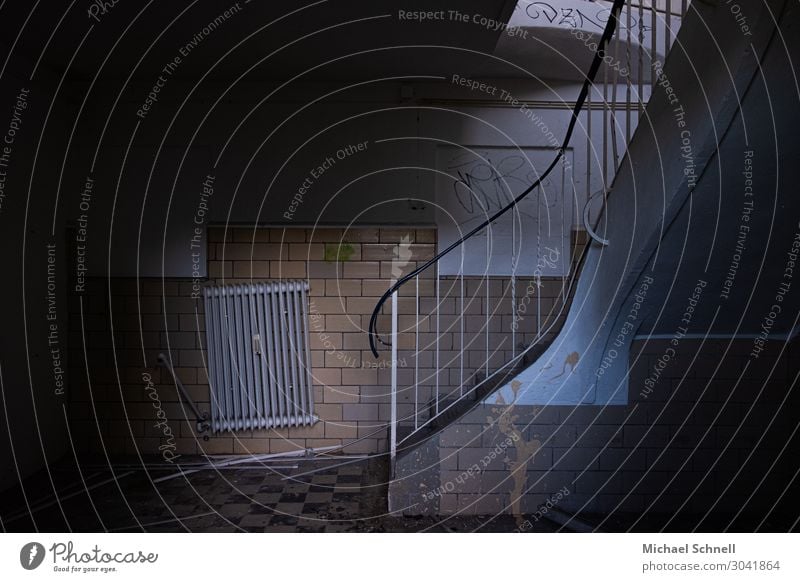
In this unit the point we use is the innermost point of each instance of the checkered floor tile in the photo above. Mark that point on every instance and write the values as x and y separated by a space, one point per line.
329 495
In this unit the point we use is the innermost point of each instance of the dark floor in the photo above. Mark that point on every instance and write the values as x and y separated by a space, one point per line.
279 495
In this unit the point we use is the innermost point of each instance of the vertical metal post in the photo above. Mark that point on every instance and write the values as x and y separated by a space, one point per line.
640 91
589 149
416 360
566 225
538 290
438 369
514 279
628 80
605 127
667 27
461 360
393 425
488 262
614 122
654 44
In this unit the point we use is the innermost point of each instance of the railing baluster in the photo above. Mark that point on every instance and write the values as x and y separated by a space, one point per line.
639 97
605 128
438 368
461 359
615 81
488 262
416 358
393 425
667 28
588 150
538 289
564 225
628 81
513 282
653 42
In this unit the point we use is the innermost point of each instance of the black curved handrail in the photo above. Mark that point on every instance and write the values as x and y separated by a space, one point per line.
599 55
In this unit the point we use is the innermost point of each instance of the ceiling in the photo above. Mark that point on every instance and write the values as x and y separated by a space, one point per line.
322 40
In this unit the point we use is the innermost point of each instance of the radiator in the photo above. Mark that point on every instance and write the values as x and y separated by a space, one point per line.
258 356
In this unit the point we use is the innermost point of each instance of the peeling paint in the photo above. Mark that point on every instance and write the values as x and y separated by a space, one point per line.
526 449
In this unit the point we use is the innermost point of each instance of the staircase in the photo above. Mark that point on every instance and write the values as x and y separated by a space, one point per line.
472 343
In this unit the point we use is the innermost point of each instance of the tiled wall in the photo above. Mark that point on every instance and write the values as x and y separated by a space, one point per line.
129 404
718 432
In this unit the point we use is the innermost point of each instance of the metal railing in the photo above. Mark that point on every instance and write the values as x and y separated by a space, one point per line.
452 331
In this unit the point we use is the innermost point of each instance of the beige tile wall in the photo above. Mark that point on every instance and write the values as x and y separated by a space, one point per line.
114 409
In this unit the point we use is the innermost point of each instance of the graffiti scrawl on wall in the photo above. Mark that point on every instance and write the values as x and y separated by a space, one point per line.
580 14
475 182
